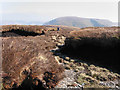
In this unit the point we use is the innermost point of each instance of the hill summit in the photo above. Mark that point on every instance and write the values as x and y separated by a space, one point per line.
80 22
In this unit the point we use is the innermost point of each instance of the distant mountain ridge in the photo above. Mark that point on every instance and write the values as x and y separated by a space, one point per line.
80 22
9 22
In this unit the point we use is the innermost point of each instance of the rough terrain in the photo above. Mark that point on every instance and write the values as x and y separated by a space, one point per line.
41 58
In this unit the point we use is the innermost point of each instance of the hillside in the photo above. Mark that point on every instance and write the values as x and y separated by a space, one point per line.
68 58
80 22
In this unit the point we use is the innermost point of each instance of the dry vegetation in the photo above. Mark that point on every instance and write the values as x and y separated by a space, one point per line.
31 57
96 45
97 32
27 57
29 28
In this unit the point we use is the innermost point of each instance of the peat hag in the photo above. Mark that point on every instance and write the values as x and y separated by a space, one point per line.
100 51
18 32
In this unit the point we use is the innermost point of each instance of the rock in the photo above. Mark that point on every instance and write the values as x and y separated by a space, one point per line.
73 65
85 65
63 37
93 73
81 64
61 41
66 62
59 44
80 68
30 57
101 83
92 67
57 58
67 58
117 75
104 70
101 77
67 67
110 84
54 38
72 60
83 78
76 70
110 77
68 80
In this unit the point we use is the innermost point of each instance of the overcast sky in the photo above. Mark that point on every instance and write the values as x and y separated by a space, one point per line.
45 11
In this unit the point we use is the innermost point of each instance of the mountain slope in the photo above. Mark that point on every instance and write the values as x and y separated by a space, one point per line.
80 22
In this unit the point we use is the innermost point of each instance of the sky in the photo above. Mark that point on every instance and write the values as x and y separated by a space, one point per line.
41 12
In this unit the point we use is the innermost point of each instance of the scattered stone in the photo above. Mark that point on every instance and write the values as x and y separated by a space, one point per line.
104 70
73 66
57 58
102 83
68 80
76 70
117 75
85 65
66 62
110 84
67 58
110 77
63 37
101 77
71 60
59 44
54 37
81 64
80 68
67 67
90 77
61 41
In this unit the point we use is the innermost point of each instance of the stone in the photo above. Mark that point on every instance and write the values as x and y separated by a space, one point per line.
104 70
57 58
72 60
59 44
67 67
76 70
93 73
80 68
66 62
110 77
71 64
81 64
101 77
85 64
61 41
54 37
117 75
63 38
67 58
